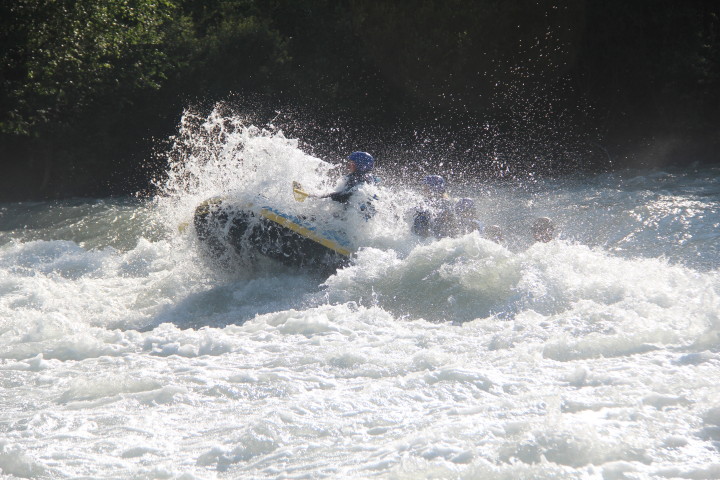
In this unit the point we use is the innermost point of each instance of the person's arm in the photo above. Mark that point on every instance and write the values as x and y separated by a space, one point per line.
346 191
342 196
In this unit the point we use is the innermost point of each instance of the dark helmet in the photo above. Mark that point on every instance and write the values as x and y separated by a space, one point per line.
436 183
364 162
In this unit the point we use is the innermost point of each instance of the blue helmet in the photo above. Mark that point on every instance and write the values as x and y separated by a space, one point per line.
364 162
435 182
465 205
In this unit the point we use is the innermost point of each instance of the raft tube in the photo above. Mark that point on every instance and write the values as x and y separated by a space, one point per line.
292 240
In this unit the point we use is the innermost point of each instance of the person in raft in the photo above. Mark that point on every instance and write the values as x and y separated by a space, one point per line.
467 222
436 217
360 166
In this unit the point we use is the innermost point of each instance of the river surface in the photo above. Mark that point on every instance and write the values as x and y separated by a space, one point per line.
127 353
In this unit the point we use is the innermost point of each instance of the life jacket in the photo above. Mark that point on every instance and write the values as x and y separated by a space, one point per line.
352 182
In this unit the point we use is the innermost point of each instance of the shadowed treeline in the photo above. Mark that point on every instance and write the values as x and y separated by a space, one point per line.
89 88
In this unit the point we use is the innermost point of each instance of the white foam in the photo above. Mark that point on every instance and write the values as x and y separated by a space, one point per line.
459 358
13 462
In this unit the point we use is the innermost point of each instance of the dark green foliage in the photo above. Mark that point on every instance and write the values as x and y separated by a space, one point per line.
60 56
88 86
70 71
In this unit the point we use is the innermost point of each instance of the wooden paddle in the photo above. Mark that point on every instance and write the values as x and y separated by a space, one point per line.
298 192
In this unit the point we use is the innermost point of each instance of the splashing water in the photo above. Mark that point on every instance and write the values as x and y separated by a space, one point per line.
126 353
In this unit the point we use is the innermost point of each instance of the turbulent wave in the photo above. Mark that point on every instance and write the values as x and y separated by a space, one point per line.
125 352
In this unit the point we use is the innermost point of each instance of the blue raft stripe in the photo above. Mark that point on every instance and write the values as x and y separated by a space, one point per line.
327 238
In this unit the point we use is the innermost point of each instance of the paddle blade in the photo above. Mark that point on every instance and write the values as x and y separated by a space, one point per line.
299 194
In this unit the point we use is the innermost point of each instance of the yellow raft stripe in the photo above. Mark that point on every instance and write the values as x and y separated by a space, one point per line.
305 232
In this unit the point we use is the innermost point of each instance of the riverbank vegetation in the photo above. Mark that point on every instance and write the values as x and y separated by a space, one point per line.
90 88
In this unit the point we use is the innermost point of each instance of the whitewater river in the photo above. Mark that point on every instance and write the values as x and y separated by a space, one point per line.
126 353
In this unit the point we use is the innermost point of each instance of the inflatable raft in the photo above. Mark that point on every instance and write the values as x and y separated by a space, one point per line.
251 229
